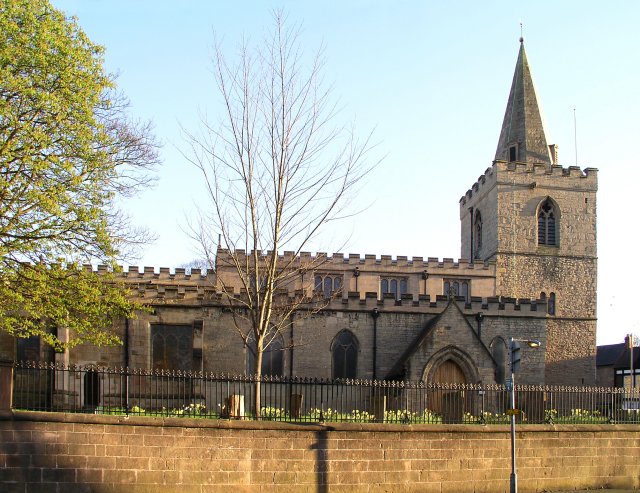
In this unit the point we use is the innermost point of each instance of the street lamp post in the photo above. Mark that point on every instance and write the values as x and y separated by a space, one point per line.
514 365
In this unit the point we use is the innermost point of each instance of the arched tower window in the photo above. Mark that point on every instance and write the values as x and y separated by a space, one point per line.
477 226
548 223
551 304
344 355
272 357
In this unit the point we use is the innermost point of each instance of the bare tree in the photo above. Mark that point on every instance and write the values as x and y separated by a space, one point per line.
277 170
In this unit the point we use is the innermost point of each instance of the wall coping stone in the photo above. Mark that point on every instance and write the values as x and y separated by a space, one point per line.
160 422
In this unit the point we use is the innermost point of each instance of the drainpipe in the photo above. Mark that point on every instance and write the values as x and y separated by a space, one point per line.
291 348
425 276
479 317
126 364
356 274
471 235
375 314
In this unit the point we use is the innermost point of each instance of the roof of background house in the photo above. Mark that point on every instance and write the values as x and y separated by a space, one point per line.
608 354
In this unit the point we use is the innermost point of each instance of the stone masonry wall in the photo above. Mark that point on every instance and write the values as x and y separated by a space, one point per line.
571 333
497 330
570 357
107 454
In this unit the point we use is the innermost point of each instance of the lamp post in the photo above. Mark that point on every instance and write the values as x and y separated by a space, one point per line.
514 365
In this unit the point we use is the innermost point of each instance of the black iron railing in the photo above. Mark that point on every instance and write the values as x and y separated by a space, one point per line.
101 390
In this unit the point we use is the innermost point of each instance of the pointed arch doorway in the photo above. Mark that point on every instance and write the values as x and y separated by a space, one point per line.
449 368
448 372
448 402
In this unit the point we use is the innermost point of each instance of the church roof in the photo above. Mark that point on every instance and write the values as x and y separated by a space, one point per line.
523 127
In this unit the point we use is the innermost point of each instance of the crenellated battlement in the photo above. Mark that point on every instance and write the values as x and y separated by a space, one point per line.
164 287
530 175
323 261
425 304
133 272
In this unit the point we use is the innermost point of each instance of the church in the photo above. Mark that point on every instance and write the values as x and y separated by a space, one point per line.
526 269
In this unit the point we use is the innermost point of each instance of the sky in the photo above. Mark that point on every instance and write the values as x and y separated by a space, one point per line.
431 79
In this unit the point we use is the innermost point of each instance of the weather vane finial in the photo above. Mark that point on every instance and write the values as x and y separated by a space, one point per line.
521 33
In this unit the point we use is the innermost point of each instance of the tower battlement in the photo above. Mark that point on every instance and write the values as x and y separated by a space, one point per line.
532 176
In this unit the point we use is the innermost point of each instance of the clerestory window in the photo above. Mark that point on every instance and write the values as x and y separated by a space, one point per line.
457 287
328 285
393 285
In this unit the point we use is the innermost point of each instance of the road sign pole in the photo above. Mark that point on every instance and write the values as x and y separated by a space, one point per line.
513 480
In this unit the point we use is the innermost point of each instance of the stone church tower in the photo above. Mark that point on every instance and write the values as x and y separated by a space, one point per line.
537 221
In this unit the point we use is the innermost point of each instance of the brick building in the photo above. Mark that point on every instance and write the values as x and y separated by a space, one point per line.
527 270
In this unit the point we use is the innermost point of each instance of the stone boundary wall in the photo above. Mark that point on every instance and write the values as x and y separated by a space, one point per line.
107 454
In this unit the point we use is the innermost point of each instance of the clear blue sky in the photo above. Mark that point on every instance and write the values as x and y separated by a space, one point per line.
432 78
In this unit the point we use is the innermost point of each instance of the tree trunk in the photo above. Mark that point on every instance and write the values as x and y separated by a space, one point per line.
258 377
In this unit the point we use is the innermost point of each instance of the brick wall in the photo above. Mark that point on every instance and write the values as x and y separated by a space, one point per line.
103 454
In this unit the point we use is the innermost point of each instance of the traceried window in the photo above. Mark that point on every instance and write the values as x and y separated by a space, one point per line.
272 357
28 349
328 285
547 224
344 355
457 287
477 226
396 286
172 347
499 353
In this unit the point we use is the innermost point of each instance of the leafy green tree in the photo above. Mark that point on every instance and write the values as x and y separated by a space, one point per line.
68 152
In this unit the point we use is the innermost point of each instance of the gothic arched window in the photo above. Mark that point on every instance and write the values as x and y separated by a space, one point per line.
172 347
272 357
344 355
547 224
499 353
477 226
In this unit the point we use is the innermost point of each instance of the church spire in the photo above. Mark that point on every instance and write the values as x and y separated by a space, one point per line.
522 136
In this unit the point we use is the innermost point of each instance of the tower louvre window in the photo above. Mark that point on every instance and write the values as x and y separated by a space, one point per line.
478 234
551 304
547 224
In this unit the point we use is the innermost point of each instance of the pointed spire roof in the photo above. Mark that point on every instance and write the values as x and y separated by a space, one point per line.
522 137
